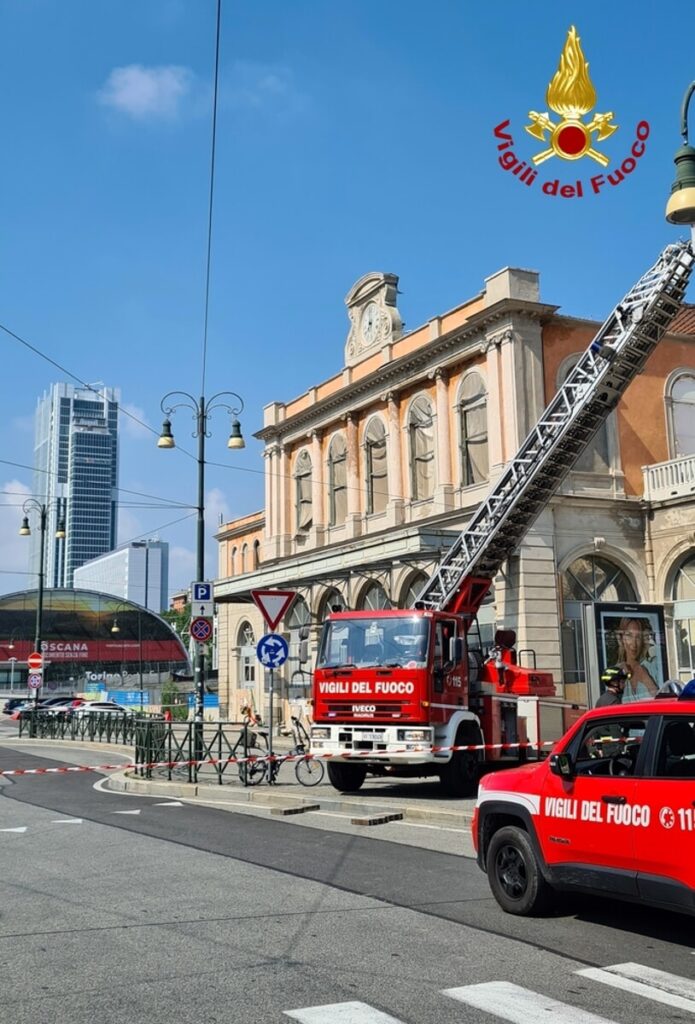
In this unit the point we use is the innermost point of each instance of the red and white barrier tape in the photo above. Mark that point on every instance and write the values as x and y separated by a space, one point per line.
354 755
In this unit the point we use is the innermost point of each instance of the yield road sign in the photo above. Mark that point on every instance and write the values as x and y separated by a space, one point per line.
273 604
201 630
272 650
35 680
35 661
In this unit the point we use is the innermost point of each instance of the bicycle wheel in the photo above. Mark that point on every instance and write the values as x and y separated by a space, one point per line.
253 772
309 771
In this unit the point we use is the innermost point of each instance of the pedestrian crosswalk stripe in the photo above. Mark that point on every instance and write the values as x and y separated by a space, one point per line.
22 828
341 1013
66 821
126 812
520 1005
647 982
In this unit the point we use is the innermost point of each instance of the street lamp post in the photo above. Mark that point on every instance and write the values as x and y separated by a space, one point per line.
680 208
32 505
201 410
146 545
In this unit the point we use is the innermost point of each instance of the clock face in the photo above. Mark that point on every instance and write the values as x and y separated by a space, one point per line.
370 322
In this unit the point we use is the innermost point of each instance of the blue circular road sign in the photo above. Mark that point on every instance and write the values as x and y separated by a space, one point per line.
272 650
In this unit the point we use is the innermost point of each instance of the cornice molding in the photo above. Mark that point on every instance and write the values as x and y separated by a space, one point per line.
390 377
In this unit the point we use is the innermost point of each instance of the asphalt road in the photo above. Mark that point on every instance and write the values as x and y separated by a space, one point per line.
116 907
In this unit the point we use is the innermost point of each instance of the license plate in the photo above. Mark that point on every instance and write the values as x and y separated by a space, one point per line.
374 736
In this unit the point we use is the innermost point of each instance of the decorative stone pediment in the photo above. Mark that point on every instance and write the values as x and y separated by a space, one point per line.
374 317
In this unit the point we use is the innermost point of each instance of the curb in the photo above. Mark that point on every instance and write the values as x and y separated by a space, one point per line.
125 782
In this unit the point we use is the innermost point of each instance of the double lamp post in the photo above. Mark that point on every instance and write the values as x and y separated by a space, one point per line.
42 509
201 410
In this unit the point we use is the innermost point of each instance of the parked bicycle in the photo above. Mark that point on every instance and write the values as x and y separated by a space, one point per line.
253 743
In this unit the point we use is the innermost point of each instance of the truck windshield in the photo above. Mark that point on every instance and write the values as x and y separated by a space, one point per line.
395 642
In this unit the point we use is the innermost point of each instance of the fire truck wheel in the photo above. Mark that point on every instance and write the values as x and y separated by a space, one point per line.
348 778
512 870
460 776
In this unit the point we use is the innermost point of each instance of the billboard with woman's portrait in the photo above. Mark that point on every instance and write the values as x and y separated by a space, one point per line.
632 637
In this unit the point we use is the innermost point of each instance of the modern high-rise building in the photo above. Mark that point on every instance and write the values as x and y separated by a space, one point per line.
137 572
76 474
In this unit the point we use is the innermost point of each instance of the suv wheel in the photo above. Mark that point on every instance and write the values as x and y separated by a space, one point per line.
514 874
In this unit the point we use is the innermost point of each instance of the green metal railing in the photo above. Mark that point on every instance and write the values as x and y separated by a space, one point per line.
177 746
95 728
171 745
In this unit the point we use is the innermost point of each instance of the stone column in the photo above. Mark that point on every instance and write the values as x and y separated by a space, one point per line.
270 537
317 532
354 505
495 406
444 490
285 502
396 502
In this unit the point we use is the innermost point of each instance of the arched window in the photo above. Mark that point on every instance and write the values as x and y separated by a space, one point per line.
298 623
246 642
421 430
256 553
302 476
683 593
589 578
376 474
232 562
596 458
331 600
412 589
244 558
374 598
681 398
473 431
337 480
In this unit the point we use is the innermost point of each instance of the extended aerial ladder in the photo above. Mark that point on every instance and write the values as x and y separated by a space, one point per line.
587 396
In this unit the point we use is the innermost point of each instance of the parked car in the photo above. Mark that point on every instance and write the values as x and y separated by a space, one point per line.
100 707
12 704
609 812
63 707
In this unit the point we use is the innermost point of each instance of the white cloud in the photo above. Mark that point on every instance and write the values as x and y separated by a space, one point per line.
216 509
129 526
264 87
147 93
181 568
14 550
133 421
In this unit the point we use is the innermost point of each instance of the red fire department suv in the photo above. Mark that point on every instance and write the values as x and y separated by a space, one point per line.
611 811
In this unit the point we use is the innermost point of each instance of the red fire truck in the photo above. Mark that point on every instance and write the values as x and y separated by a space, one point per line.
396 691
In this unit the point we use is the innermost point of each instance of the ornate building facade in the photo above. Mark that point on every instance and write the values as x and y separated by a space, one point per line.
370 475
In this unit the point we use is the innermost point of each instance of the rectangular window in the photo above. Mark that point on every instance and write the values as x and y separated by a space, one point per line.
675 757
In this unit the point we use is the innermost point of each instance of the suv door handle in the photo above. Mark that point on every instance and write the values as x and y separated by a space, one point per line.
614 799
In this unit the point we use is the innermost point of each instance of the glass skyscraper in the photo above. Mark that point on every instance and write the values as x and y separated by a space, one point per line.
76 473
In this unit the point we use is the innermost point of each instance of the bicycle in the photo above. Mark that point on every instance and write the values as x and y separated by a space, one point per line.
309 770
248 746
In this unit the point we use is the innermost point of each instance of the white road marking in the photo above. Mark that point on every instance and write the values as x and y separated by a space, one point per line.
169 803
341 1013
647 982
67 821
22 829
126 812
521 1005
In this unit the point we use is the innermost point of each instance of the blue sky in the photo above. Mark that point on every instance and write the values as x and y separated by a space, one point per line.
352 137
